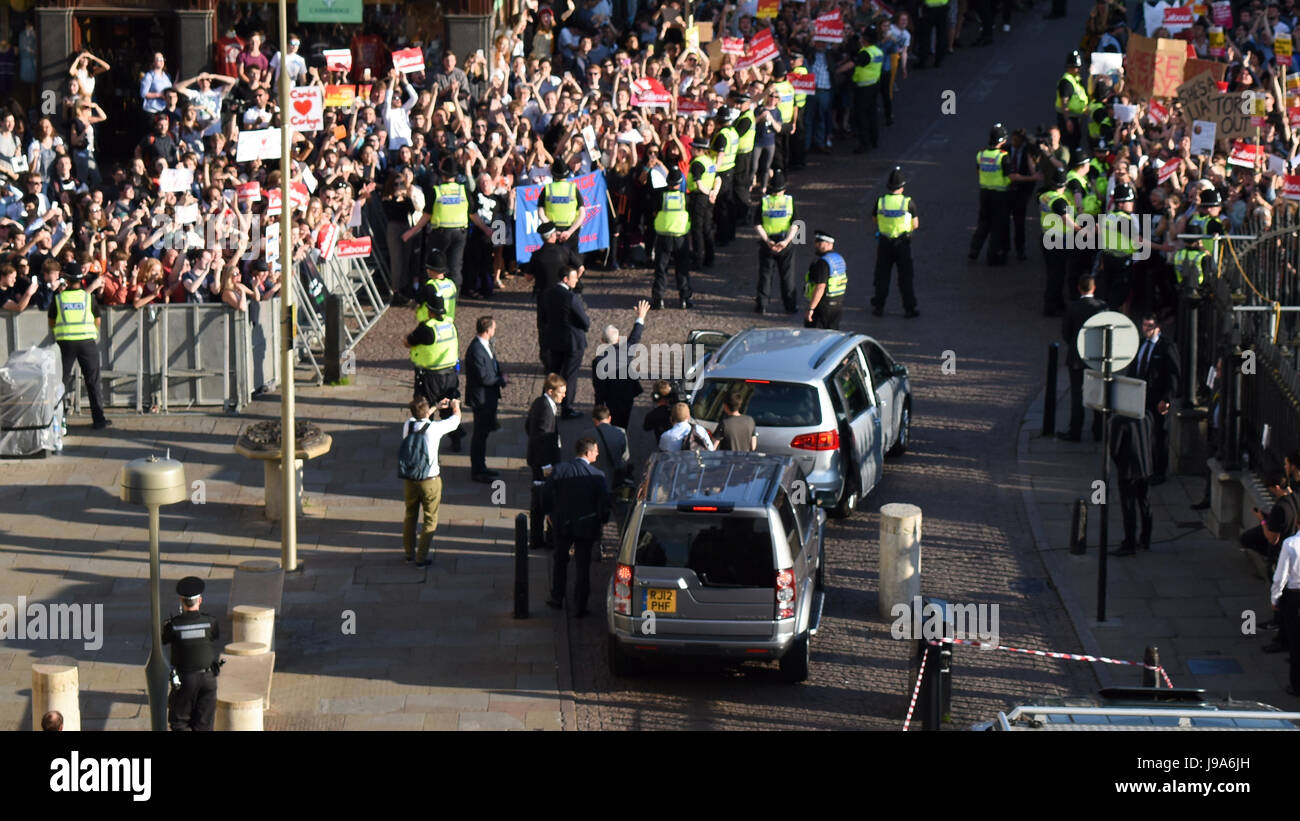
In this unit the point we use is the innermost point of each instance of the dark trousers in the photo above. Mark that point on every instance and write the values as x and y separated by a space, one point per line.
536 515
478 262
451 241
1072 130
741 182
1133 504
620 411
1159 442
932 20
782 266
672 249
865 121
193 705
701 212
891 252
1019 205
827 314
84 352
1288 610
723 210
994 225
566 364
1116 280
984 8
582 549
485 418
434 386
1076 406
1255 540
798 144
1056 261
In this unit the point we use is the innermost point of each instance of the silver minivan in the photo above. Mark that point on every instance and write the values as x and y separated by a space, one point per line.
722 557
835 400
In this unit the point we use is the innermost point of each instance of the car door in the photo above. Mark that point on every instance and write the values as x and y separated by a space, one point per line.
701 345
859 418
880 368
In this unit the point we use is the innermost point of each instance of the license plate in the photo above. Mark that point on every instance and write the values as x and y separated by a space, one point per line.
660 600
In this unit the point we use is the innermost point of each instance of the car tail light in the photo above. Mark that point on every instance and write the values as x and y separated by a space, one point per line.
623 590
785 594
822 440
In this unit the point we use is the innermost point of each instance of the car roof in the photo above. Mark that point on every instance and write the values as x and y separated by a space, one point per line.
715 477
796 354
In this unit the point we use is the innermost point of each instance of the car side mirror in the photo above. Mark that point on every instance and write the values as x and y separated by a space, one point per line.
899 369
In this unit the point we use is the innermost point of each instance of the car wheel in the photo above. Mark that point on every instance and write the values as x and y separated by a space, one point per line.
904 432
620 663
794 664
848 499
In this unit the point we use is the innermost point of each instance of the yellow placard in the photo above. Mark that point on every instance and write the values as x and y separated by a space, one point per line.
1282 48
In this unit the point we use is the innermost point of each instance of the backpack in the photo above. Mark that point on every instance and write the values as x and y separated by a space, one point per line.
413 456
692 440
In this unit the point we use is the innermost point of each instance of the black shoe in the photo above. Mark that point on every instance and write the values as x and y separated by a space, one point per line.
554 605
656 304
481 478
103 423
758 308
877 311
1271 624
409 557
686 305
1274 646
1124 551
1204 505
1158 480
424 563
455 444
1069 437
582 614
912 314
571 414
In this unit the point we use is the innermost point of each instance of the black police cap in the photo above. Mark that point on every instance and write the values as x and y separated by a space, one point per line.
189 587
435 260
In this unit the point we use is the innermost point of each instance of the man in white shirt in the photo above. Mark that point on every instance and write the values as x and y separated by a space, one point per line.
675 438
397 118
297 66
1285 592
425 492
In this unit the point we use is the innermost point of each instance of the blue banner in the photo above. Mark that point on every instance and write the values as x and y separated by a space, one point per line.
594 233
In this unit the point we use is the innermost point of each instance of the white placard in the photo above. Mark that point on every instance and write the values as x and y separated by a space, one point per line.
1125 113
354 221
589 135
1276 165
175 179
1154 16
1106 63
307 108
308 178
187 214
1203 137
258 145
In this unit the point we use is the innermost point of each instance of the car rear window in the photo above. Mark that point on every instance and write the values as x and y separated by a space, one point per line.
771 404
723 550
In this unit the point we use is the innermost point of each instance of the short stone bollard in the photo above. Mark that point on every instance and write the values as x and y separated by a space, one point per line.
900 556
254 623
56 687
258 582
239 712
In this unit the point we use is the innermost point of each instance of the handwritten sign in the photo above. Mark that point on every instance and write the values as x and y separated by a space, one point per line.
408 60
307 108
340 96
337 59
1154 68
1203 101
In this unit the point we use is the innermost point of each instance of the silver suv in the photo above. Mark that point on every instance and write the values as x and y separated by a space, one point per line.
835 400
722 557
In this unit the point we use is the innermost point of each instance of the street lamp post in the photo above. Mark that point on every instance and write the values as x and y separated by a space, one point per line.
288 324
154 482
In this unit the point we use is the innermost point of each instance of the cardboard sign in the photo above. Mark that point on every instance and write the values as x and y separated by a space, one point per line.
408 60
806 83
249 191
705 32
307 108
1245 154
1177 19
1167 170
1154 68
1212 67
348 248
733 45
1203 101
340 96
692 37
263 144
768 9
762 49
1203 133
828 28
1291 186
175 179
647 92
337 59
1282 47
1217 44
1221 13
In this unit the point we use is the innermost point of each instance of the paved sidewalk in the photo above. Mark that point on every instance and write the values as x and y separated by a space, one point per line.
433 649
1185 596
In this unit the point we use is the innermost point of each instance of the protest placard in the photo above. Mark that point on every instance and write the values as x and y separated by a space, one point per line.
1221 13
337 59
348 248
828 28
1202 137
1282 48
175 179
250 191
733 45
1202 100
647 92
1245 154
263 144
1291 186
340 96
1178 18
408 60
768 9
805 83
1277 165
1125 113
307 108
1159 113
762 49
1154 68
1167 170
1217 44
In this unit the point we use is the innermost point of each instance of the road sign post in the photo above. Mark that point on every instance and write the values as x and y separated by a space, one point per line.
1108 341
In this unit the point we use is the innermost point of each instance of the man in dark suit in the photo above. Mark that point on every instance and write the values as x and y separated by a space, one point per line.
615 462
542 426
564 334
1023 178
545 268
1081 309
483 383
1130 450
614 387
577 499
1157 363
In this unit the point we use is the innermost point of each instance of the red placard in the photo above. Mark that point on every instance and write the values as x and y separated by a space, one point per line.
1244 154
326 238
1158 111
299 196
685 105
768 9
733 45
807 83
348 248
408 60
1293 116
828 28
337 59
762 49
648 92
251 191
1222 12
1167 170
339 96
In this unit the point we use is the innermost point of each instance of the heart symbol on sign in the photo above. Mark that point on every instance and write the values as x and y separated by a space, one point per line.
302 106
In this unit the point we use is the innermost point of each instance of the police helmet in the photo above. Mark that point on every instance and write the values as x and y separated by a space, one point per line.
896 179
777 183
674 177
1081 157
997 134
1074 60
723 115
73 273
1125 193
559 170
448 168
1057 178
1210 196
435 261
822 236
778 70
433 301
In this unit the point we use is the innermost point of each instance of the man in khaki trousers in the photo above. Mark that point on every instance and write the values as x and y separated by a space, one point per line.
425 492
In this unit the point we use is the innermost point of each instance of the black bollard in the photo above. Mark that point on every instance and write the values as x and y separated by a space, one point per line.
521 566
333 339
1079 528
1151 660
1049 395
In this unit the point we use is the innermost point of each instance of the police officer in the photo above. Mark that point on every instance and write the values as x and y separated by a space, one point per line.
824 284
743 180
1082 191
867 66
702 185
435 271
1192 264
192 635
1071 102
74 320
775 249
672 225
1208 210
726 143
994 165
1056 216
896 219
448 214
933 19
786 108
1118 232
434 354
1101 120
564 205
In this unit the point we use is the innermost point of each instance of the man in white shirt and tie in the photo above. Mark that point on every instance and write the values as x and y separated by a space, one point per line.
1157 363
1285 592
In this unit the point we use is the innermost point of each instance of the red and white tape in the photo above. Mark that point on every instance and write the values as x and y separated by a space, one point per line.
916 691
1066 656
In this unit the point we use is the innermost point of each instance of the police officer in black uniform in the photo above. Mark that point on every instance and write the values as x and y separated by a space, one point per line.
825 285
192 635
